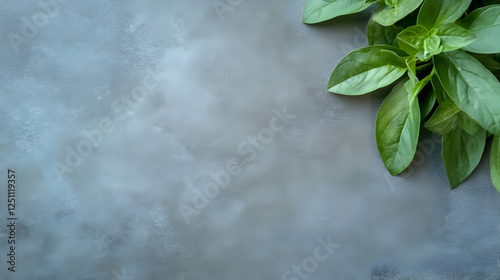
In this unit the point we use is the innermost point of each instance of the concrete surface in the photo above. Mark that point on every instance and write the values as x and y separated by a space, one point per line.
218 152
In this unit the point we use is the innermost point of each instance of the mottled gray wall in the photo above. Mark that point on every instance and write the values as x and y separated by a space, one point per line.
208 85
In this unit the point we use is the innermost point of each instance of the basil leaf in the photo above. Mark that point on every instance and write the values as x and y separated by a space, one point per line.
397 129
474 89
422 42
423 66
432 46
488 61
367 69
468 124
414 86
411 64
396 10
495 162
435 13
448 116
322 10
411 40
453 36
419 86
426 101
444 119
462 153
441 95
382 35
484 23
409 20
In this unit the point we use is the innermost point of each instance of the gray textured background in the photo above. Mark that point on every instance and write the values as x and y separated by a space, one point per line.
116 214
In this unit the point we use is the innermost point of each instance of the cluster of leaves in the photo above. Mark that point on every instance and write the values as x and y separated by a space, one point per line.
449 50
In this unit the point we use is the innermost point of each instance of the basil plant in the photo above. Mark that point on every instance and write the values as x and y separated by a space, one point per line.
441 58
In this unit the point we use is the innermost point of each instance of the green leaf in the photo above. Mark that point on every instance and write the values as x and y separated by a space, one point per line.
462 153
488 61
395 11
397 129
444 119
409 20
382 35
474 89
322 10
435 13
411 64
441 94
414 86
495 162
421 42
484 23
423 66
426 100
432 45
424 43
411 40
419 86
453 36
468 124
367 69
